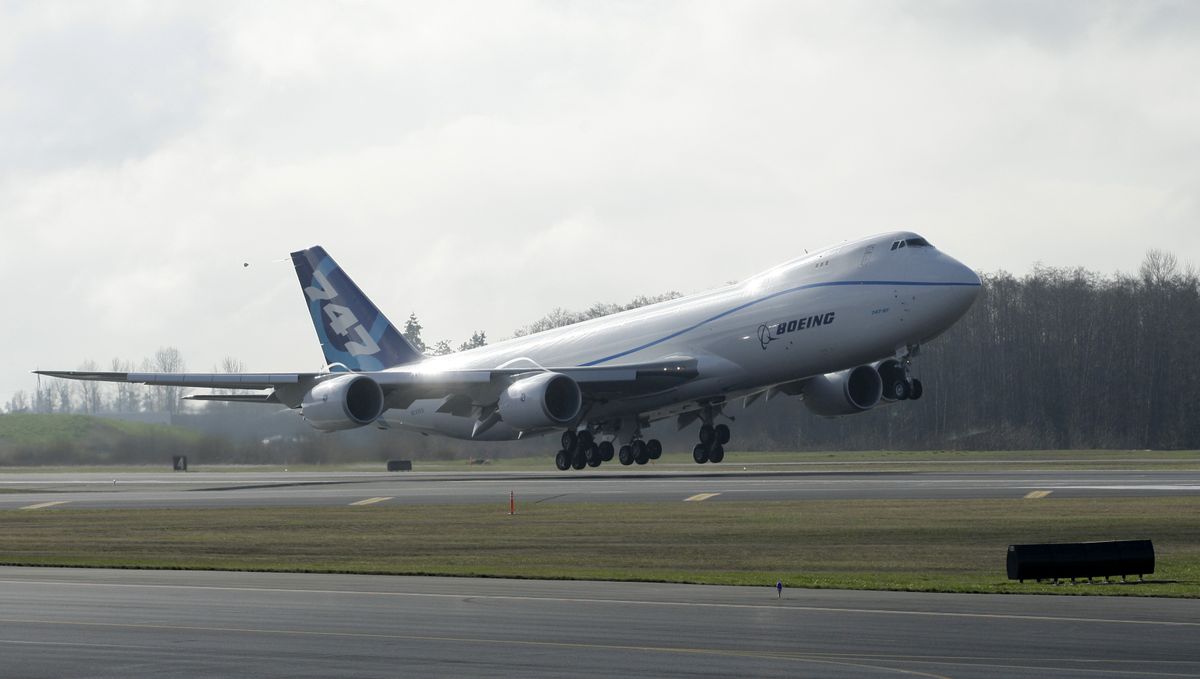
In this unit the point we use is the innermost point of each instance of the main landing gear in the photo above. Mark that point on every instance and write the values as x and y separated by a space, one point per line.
579 450
712 443
713 437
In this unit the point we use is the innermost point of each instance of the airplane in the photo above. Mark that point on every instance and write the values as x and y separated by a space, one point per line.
839 328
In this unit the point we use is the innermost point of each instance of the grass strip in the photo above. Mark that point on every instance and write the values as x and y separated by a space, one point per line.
915 545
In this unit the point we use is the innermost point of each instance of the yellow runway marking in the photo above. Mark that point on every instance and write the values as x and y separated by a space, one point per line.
369 501
43 505
1038 494
701 497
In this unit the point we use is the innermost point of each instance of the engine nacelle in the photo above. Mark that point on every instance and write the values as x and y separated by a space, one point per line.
844 393
543 400
343 403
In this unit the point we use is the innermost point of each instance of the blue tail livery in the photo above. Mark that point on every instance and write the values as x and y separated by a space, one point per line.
352 331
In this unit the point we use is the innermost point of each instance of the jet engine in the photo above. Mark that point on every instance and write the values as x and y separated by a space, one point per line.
844 393
343 403
543 400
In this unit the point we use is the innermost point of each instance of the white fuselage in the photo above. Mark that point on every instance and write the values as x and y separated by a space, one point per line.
841 307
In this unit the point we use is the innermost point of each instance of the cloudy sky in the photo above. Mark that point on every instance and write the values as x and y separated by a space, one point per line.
481 163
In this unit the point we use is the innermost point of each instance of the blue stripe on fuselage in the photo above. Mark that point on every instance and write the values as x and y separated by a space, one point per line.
747 305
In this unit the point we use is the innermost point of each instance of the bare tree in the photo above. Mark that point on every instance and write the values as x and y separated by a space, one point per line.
128 397
19 403
91 394
62 394
169 360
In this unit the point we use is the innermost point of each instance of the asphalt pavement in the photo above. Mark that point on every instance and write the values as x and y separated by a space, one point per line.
129 624
716 484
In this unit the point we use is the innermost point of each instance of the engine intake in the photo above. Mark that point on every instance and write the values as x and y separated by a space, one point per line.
543 400
343 403
844 393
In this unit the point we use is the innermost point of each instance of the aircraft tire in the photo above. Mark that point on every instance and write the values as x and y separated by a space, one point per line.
640 454
654 448
626 455
579 461
707 435
595 460
917 389
585 438
592 452
722 432
568 440
716 453
700 453
606 451
562 460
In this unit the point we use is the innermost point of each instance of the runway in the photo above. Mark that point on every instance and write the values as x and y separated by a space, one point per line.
717 484
108 623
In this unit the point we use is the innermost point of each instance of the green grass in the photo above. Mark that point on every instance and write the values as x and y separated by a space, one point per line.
30 429
917 545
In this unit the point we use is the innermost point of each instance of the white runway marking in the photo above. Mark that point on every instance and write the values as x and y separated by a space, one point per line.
701 497
43 505
1037 494
369 501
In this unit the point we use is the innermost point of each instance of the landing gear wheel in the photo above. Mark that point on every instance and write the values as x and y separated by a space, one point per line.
700 453
568 440
722 432
716 453
592 453
654 448
626 455
707 435
585 438
640 454
606 451
899 390
562 460
579 461
917 390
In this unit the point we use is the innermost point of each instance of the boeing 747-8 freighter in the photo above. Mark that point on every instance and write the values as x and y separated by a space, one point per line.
839 328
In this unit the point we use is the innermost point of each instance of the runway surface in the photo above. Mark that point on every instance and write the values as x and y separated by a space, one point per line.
716 484
107 623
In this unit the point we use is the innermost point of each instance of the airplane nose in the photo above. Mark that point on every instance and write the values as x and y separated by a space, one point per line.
969 283
963 284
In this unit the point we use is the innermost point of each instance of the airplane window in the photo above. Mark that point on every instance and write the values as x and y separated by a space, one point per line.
901 243
895 244
917 243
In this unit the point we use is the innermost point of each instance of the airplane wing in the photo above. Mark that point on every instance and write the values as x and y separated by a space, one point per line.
461 387
205 380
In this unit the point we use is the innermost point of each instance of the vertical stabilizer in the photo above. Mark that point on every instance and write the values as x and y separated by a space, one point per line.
352 331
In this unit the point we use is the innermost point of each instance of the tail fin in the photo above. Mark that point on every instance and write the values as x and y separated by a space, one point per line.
352 331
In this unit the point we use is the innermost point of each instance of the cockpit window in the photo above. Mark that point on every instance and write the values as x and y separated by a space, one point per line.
911 243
